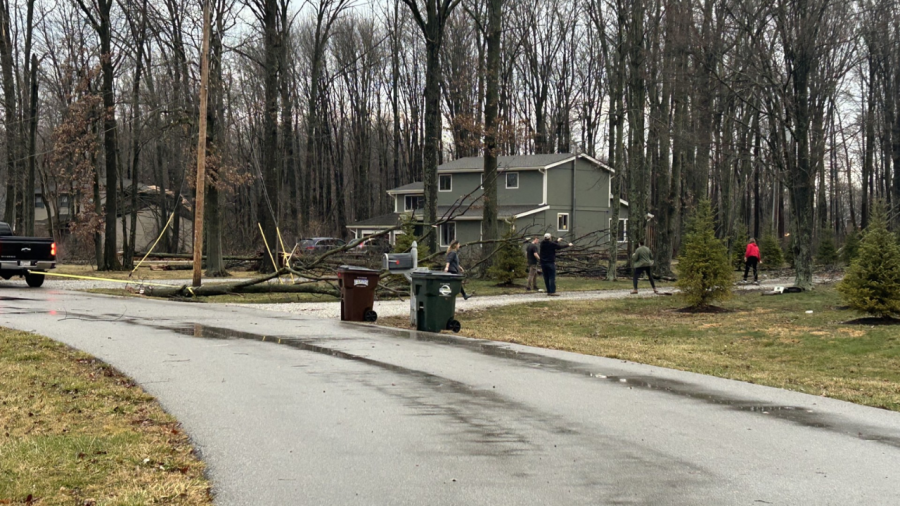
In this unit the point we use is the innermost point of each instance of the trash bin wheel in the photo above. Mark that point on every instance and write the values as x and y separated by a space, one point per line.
370 316
453 325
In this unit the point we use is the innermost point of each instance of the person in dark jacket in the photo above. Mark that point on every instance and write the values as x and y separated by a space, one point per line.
642 261
548 262
453 266
532 257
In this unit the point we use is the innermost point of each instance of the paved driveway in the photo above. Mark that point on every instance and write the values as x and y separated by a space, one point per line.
288 410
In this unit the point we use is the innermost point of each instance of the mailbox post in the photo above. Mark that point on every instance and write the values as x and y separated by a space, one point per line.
405 263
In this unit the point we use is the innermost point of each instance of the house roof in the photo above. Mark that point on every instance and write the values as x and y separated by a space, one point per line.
476 163
505 162
417 187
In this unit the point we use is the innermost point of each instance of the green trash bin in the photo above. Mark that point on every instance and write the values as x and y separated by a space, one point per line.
358 286
436 293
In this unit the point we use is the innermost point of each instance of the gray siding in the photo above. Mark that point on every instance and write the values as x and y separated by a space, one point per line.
536 224
591 187
462 184
530 190
468 231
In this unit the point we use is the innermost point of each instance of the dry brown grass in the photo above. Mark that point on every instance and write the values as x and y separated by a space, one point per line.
76 431
766 340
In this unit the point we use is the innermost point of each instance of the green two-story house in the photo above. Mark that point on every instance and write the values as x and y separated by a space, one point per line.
564 194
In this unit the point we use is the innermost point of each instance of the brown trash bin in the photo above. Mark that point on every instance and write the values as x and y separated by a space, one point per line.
358 286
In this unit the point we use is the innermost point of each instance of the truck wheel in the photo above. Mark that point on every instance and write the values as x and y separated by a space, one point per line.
370 316
454 325
34 280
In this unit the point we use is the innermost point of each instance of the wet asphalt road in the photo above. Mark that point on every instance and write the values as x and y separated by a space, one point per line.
292 411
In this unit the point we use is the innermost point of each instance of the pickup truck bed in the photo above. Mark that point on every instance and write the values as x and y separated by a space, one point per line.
28 257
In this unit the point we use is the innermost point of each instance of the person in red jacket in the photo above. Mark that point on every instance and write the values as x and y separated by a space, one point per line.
752 259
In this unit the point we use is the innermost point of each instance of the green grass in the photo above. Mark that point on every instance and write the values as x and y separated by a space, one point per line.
75 431
563 284
767 340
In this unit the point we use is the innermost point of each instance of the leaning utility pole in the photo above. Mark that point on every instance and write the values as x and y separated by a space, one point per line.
201 150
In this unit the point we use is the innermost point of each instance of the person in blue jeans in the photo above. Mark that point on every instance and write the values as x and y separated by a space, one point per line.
549 247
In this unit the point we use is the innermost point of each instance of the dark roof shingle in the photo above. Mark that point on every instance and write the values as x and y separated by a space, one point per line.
411 187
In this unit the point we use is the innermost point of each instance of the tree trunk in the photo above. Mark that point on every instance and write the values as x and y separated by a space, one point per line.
110 137
13 177
434 34
214 219
268 211
491 125
32 148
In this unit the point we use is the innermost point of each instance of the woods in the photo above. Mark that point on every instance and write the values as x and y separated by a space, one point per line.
782 113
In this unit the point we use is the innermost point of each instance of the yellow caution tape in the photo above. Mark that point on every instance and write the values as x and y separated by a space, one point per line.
92 278
154 243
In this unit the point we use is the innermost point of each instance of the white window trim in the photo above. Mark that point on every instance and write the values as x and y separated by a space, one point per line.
624 230
415 197
451 182
558 215
441 231
508 187
544 172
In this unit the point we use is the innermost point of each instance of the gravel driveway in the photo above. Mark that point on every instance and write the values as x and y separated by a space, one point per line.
401 307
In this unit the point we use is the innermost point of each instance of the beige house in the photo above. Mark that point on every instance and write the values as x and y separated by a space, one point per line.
148 217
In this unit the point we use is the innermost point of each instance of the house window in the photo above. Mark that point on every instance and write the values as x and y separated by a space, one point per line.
512 180
38 203
445 182
414 202
621 235
448 233
562 222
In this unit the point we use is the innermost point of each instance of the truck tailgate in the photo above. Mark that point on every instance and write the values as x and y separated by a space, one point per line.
25 248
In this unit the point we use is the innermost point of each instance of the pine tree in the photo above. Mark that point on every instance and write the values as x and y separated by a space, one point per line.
705 272
771 253
872 283
509 263
738 244
404 241
851 247
827 254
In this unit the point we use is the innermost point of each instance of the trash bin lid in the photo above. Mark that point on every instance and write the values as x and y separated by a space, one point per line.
435 275
358 270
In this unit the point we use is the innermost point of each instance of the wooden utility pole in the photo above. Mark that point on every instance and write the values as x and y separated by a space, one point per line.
201 150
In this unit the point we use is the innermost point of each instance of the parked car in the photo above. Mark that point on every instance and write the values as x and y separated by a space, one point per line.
29 257
376 246
319 245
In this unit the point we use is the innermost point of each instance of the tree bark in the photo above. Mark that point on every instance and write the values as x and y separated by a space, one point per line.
13 176
491 125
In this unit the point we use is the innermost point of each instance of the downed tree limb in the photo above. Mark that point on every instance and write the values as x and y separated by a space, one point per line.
188 256
255 285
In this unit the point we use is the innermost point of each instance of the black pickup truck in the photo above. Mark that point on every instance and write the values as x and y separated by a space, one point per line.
29 257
